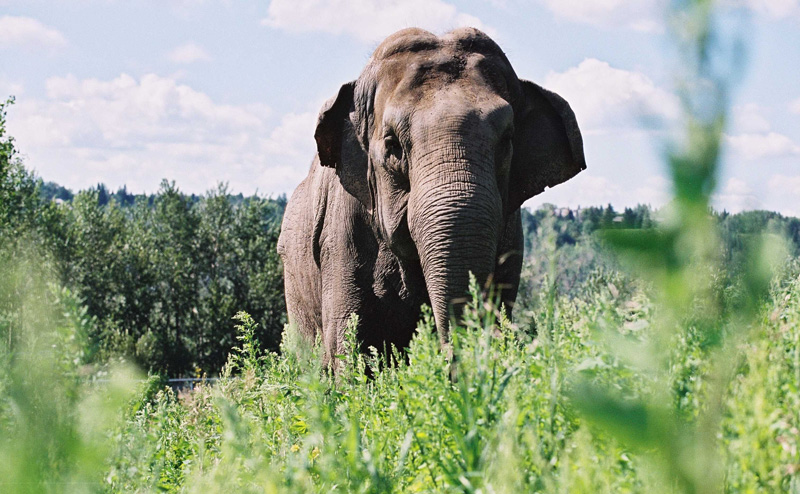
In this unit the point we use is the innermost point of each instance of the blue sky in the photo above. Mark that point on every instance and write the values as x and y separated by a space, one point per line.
208 91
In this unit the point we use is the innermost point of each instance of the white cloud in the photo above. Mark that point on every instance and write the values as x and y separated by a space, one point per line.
137 131
784 192
603 96
188 53
736 196
648 15
294 136
642 15
499 4
794 106
786 184
751 137
10 88
583 190
655 191
757 146
29 33
776 9
366 20
749 118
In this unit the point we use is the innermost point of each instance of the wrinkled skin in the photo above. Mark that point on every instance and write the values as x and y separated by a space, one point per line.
423 163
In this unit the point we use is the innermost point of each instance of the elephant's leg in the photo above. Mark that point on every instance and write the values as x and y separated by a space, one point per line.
303 304
339 301
348 251
302 281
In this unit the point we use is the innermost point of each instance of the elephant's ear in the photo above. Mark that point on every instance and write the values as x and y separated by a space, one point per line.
338 146
548 147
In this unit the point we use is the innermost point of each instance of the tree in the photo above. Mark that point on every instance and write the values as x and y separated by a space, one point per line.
175 258
18 197
609 214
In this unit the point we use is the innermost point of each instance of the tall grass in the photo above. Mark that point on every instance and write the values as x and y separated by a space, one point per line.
551 413
55 420
512 421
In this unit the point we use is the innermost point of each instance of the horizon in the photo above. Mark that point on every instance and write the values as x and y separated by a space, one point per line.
531 208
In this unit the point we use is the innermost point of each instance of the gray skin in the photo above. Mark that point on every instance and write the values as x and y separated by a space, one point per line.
423 163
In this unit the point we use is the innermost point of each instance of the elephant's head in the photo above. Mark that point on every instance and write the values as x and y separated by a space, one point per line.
441 142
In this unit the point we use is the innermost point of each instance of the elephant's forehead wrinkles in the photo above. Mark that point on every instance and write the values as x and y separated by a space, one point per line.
414 40
442 68
423 78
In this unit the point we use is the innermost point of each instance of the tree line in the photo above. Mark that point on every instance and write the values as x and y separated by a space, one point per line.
164 275
572 226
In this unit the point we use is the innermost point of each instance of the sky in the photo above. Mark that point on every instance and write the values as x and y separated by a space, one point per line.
204 92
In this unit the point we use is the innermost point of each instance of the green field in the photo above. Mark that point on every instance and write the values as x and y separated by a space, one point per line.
603 399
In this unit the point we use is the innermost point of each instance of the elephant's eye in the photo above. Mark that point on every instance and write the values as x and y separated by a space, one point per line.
392 146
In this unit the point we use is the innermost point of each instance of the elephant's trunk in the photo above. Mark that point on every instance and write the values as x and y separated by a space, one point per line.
454 216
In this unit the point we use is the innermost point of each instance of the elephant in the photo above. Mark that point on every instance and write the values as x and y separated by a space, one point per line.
422 165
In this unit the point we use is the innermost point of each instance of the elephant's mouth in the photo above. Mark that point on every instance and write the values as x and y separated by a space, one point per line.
414 287
401 243
405 251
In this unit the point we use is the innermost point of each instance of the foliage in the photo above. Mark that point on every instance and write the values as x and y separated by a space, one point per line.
55 425
584 258
506 423
18 198
165 277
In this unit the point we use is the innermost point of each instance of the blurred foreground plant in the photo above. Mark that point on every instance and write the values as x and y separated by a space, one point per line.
56 416
681 258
